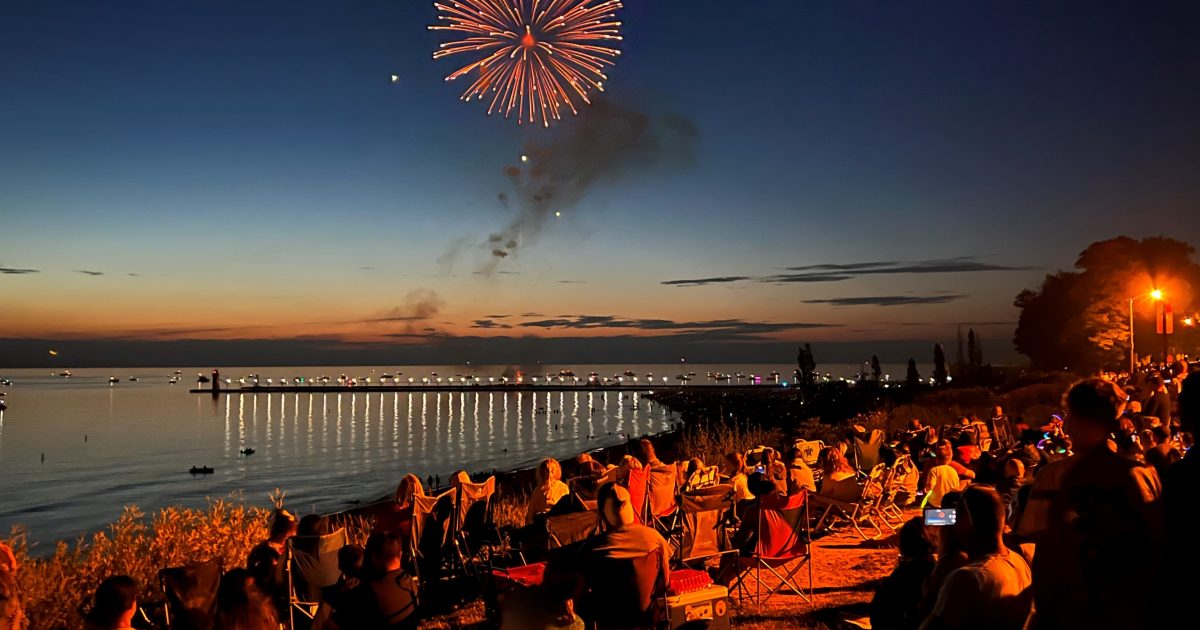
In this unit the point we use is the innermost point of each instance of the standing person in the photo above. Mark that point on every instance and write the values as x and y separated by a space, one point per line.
113 605
993 589
1158 404
1163 453
1085 515
1181 500
941 480
265 560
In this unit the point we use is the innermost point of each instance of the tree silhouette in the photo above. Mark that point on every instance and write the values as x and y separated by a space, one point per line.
913 378
806 366
974 350
939 364
876 370
1080 319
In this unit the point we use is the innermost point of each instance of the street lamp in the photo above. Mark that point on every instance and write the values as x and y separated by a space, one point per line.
1156 295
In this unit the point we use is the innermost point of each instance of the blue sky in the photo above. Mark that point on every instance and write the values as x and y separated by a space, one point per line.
256 169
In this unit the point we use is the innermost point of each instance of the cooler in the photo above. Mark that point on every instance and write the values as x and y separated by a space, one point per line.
710 603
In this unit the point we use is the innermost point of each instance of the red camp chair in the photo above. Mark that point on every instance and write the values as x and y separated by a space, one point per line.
782 540
703 516
624 592
639 492
662 499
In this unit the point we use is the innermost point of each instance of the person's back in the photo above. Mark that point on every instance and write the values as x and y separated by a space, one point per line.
387 599
1181 502
942 479
1095 521
993 589
1158 405
992 592
897 600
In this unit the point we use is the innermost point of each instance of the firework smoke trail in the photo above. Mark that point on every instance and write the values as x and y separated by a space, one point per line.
539 54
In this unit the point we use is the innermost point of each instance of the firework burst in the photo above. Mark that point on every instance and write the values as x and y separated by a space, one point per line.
539 56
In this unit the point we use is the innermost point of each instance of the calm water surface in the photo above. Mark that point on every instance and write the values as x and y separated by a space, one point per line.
133 442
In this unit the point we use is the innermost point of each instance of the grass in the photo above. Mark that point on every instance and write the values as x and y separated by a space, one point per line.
55 588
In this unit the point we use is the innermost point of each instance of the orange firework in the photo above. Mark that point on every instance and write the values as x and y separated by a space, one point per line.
539 54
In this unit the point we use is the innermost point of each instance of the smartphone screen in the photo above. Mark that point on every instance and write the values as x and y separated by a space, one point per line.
940 517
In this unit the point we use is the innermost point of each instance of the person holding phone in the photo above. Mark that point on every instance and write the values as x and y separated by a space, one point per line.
993 590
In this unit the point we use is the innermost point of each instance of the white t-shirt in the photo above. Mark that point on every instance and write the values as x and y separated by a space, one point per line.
942 479
993 592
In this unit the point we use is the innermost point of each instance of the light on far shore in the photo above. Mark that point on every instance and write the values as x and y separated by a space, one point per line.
1157 294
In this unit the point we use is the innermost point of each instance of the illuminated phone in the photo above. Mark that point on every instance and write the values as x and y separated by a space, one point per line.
940 517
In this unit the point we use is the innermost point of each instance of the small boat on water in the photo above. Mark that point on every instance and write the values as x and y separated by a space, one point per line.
201 470
3 405
174 379
65 374
112 380
247 451
133 379
629 373
202 378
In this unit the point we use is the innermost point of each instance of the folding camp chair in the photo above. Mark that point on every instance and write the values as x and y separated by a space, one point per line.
810 450
191 592
662 499
781 540
566 529
703 478
470 522
866 452
311 565
638 484
703 514
842 502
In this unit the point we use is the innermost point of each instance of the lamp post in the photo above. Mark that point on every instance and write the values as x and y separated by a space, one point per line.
1163 323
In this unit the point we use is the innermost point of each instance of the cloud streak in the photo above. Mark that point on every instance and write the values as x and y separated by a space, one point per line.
88 272
889 300
14 271
723 328
830 272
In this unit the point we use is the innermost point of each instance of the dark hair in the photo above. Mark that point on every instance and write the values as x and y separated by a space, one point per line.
1155 381
382 549
282 523
1161 433
113 597
1189 400
241 604
350 560
985 509
1095 400
759 484
916 541
313 525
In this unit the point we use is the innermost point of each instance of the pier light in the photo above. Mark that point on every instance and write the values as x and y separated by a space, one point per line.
664 379
410 380
439 380
491 379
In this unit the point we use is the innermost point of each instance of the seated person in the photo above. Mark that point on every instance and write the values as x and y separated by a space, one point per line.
745 540
387 596
350 565
264 560
548 491
799 475
945 446
942 478
734 471
400 518
967 451
603 598
241 605
113 605
993 590
836 468
897 600
649 457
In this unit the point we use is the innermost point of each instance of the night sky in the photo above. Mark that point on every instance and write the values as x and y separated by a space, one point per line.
872 174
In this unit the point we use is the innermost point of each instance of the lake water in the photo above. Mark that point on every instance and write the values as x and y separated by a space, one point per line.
105 446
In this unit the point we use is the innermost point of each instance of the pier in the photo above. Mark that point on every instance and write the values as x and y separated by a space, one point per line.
482 388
